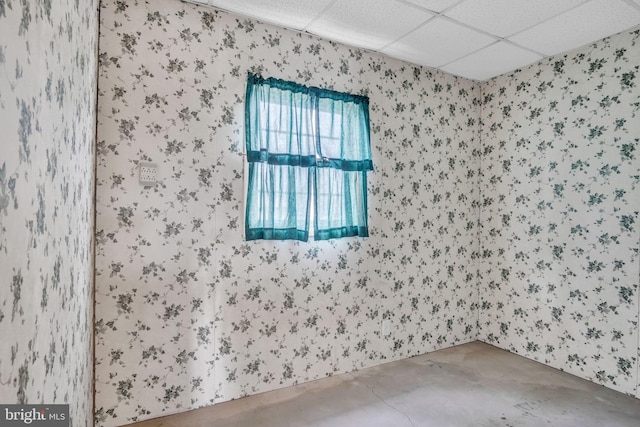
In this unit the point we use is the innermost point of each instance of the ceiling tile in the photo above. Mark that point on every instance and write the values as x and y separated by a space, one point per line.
294 14
507 17
491 61
583 25
438 42
410 30
435 5
371 24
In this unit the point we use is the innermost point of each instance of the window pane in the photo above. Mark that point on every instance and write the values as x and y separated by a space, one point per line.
303 144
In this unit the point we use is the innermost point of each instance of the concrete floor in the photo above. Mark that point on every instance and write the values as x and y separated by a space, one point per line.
470 385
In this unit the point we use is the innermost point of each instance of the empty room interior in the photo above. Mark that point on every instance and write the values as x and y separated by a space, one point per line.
451 236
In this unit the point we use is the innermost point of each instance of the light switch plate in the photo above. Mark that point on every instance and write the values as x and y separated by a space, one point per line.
148 174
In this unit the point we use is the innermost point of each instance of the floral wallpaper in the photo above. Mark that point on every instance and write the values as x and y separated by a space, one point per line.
187 312
47 115
559 212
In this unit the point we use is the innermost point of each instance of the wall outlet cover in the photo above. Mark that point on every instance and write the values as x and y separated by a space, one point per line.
386 327
148 174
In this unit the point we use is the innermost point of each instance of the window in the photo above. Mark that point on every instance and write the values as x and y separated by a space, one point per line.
308 151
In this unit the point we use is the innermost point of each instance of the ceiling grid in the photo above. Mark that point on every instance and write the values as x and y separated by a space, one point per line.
475 39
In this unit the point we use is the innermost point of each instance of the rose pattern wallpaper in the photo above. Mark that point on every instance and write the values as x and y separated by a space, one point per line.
504 211
48 67
560 197
188 313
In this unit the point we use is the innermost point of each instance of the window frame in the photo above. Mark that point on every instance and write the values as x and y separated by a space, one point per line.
316 157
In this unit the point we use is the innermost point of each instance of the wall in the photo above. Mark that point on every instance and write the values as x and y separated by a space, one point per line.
560 201
47 116
187 313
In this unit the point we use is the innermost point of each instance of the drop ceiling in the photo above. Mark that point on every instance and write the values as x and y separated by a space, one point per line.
476 39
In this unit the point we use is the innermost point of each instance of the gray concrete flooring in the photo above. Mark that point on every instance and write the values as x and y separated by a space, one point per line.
473 384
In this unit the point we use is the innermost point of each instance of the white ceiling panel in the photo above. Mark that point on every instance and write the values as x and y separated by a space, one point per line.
435 5
507 17
285 13
438 42
456 36
371 24
585 24
491 61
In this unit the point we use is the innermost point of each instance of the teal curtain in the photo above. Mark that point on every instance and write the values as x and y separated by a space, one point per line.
305 143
